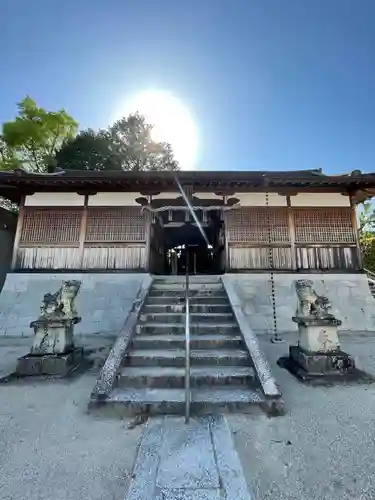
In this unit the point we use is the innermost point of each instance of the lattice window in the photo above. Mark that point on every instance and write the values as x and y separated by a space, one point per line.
258 226
115 224
324 226
51 226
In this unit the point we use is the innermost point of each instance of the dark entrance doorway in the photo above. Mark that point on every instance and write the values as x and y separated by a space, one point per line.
171 240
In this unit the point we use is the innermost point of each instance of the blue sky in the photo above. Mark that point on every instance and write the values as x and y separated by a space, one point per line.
272 84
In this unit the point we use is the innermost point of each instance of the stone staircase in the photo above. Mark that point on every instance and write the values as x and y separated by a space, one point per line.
151 379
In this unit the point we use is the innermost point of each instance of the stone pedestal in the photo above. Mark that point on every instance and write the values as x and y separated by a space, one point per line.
55 365
318 353
53 352
53 336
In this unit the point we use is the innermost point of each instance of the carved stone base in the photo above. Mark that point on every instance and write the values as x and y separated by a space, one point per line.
53 336
337 362
56 365
318 337
322 367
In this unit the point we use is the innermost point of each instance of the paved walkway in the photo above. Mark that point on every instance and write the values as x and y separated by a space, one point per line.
187 462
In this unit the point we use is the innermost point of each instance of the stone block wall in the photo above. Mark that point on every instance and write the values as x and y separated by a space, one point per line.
349 294
103 302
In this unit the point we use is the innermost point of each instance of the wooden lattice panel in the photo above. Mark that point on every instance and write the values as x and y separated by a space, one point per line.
324 226
258 226
115 225
51 226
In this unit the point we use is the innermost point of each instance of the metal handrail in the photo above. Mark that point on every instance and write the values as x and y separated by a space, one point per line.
187 341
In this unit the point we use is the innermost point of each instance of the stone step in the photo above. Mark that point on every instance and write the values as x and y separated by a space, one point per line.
197 300
180 294
198 357
178 341
179 328
207 400
194 308
174 378
192 279
179 317
182 286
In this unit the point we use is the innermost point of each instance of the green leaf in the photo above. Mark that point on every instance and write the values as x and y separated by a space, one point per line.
35 135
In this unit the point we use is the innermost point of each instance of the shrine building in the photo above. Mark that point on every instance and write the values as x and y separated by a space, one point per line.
135 221
263 230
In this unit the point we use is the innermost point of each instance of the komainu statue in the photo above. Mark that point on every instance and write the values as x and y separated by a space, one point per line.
62 303
310 304
58 314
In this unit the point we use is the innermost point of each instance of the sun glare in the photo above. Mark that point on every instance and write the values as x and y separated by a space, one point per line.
172 122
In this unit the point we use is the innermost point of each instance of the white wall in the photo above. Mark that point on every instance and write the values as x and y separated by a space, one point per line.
111 199
208 196
320 200
166 195
259 199
115 199
54 200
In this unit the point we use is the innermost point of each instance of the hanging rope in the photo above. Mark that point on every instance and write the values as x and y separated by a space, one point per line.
275 337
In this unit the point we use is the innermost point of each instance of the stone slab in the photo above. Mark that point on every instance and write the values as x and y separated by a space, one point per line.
57 365
188 459
228 462
195 461
104 300
349 293
190 495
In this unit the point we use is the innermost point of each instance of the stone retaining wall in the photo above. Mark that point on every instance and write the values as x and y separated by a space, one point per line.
103 302
349 294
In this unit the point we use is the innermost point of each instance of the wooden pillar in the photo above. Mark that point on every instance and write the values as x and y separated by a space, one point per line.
17 236
82 232
353 214
292 234
226 237
148 221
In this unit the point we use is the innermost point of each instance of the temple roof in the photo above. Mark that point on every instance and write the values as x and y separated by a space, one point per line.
14 184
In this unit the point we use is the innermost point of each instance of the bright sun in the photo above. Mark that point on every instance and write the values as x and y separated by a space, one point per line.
172 122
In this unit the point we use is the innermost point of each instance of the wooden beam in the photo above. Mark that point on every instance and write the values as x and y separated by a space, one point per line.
353 215
17 236
292 234
82 232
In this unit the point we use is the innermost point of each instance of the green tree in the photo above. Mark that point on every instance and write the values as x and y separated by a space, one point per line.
89 150
8 160
366 217
135 148
126 145
366 234
32 139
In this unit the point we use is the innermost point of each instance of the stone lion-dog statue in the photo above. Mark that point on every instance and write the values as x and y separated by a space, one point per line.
310 303
61 303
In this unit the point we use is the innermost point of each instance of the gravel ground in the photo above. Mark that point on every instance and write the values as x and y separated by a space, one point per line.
51 449
324 447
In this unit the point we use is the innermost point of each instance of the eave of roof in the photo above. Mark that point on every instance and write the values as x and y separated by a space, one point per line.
13 184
